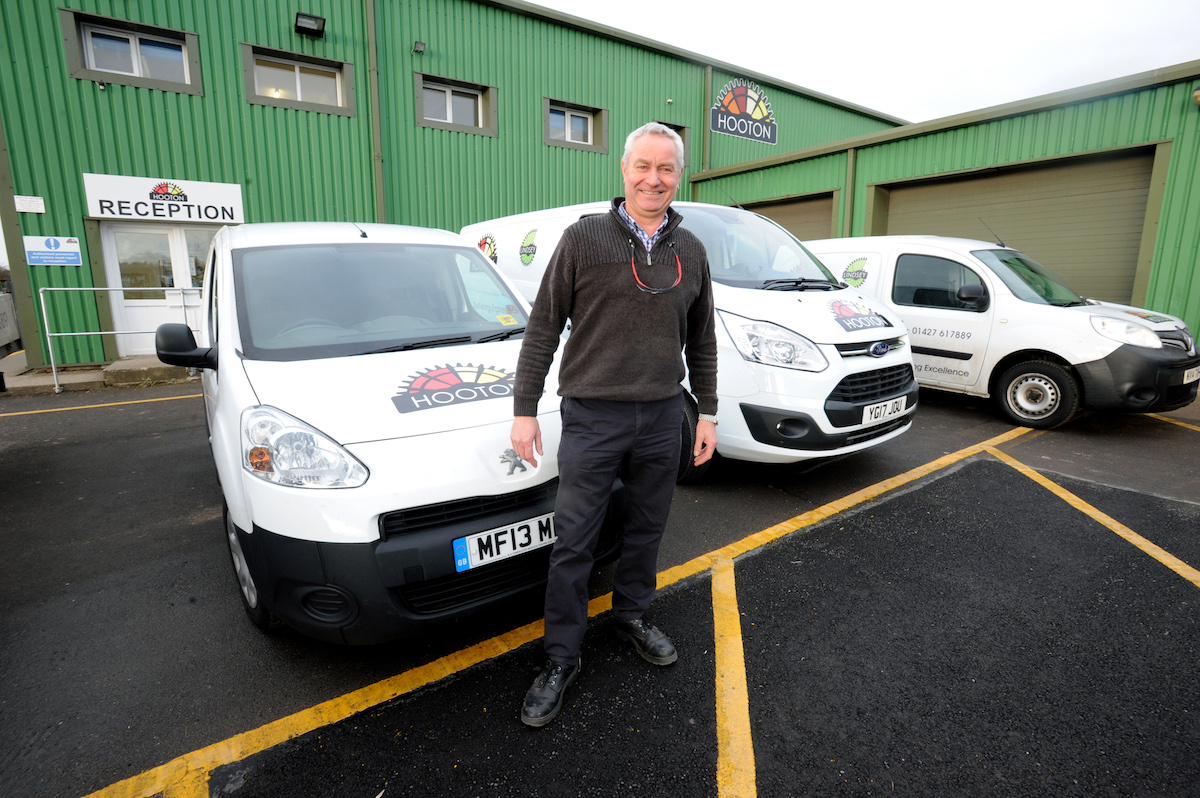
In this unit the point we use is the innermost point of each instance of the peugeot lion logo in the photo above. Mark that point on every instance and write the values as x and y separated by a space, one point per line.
513 460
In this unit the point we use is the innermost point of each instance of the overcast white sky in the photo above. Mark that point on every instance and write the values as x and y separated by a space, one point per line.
921 59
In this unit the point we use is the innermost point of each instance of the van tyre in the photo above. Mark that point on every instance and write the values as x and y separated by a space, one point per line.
1038 394
252 602
688 470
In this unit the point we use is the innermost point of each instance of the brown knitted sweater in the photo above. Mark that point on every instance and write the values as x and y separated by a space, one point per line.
625 344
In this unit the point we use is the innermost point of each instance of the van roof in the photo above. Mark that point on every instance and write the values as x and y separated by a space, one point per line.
284 233
599 206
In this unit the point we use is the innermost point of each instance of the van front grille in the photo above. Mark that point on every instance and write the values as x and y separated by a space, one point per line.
414 519
868 386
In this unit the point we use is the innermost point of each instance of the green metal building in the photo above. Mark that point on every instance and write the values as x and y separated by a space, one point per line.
132 129
1100 183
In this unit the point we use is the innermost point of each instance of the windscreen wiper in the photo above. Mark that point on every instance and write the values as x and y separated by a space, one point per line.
797 284
500 336
458 339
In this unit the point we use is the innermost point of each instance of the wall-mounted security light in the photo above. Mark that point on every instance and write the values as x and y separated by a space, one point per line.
418 48
1196 95
310 25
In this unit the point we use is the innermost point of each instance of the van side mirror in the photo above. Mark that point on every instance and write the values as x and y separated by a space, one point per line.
176 346
974 294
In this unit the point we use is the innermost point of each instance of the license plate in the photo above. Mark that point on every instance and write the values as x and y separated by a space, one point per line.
873 414
503 542
1191 375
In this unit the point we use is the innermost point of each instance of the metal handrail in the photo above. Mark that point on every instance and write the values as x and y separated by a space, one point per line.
46 319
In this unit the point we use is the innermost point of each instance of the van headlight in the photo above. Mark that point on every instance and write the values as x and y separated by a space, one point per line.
1126 332
772 345
279 448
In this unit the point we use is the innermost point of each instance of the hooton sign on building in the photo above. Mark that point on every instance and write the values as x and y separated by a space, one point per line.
742 110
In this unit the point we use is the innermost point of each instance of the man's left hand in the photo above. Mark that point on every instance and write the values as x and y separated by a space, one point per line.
706 442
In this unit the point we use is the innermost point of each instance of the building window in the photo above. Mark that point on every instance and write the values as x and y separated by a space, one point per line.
454 105
122 52
300 82
683 134
577 127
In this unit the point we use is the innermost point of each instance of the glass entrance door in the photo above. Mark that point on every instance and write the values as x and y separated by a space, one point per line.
161 266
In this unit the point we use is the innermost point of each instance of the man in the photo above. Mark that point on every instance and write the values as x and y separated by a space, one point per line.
637 291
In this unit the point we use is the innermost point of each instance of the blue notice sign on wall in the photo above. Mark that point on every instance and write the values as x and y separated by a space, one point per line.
52 251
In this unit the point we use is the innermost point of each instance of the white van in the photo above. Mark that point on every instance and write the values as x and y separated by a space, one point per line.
988 320
358 396
807 367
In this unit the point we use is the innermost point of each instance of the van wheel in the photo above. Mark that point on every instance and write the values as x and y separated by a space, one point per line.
259 615
1038 394
688 470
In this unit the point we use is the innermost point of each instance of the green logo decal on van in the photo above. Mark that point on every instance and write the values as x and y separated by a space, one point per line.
528 248
855 274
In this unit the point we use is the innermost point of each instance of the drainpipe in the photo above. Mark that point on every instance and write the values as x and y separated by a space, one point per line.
707 134
848 202
376 123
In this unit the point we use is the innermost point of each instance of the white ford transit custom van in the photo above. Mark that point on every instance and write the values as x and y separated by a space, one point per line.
807 366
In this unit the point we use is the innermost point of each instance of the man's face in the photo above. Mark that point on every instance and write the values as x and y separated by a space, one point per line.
651 175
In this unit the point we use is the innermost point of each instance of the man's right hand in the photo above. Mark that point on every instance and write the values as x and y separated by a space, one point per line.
527 438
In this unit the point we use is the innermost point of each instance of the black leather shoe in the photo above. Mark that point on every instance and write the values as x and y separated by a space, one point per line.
544 699
651 644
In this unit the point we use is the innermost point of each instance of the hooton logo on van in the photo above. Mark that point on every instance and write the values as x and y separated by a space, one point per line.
853 316
442 386
487 245
742 110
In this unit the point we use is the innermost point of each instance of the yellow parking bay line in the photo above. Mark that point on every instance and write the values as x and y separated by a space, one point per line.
735 744
187 776
1162 555
1174 421
106 404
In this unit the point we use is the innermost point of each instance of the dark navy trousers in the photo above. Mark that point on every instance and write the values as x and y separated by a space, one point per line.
640 441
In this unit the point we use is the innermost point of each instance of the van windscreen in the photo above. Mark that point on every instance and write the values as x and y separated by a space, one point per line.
333 300
746 250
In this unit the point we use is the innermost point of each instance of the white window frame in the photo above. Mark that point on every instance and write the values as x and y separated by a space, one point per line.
344 71
486 122
296 67
597 119
449 92
78 28
135 39
568 113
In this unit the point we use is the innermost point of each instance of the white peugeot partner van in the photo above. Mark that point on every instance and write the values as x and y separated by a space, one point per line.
988 320
807 367
358 394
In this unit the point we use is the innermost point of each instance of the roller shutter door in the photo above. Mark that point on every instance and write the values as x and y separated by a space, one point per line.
1083 219
809 218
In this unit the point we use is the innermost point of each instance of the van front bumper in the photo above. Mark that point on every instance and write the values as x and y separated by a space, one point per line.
1133 378
365 593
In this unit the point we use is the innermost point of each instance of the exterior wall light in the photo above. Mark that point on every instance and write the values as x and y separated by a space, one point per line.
1196 95
310 25
418 48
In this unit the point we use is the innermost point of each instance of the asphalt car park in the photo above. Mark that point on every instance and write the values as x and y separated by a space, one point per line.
936 616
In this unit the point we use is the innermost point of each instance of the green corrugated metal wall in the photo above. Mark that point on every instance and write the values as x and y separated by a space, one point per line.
1124 119
303 165
449 179
58 127
803 122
